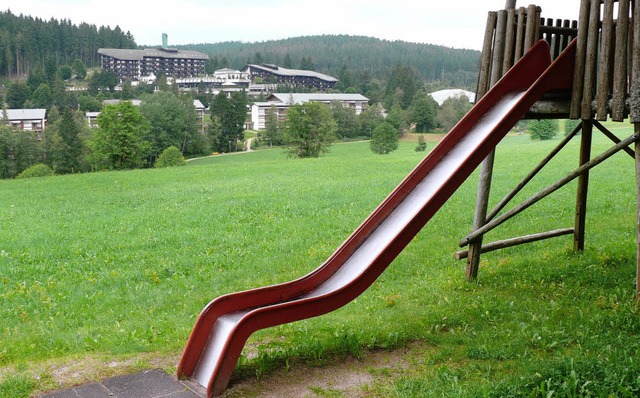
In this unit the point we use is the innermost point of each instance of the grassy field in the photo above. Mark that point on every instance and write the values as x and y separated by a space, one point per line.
117 266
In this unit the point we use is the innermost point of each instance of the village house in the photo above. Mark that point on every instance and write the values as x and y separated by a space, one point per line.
28 119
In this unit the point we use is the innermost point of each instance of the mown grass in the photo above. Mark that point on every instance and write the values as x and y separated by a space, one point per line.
120 263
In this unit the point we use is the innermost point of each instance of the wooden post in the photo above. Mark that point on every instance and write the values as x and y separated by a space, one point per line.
581 51
583 187
531 30
637 131
606 58
590 71
520 34
635 118
621 69
486 171
484 76
509 45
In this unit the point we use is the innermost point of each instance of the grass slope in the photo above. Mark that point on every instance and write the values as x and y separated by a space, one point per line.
117 264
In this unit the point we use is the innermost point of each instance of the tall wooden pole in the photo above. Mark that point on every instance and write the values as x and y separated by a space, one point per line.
583 187
635 118
486 171
637 131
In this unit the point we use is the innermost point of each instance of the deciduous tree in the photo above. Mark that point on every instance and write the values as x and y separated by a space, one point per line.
423 112
310 130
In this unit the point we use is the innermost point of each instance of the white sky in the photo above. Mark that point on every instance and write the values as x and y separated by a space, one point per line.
453 23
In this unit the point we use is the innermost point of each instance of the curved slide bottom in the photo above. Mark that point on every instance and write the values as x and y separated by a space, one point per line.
226 323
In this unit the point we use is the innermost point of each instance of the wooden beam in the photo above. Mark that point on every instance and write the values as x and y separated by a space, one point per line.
503 244
549 109
613 138
549 190
501 205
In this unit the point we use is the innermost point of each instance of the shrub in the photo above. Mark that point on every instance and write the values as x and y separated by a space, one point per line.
544 129
170 157
37 170
422 145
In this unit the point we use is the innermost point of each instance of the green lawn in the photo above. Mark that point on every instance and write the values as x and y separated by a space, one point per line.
117 264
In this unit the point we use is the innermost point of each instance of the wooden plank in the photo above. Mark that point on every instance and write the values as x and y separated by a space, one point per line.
503 244
620 72
606 56
581 53
583 186
590 72
549 190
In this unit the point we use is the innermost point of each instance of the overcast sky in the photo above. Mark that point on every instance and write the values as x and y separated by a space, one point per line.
452 23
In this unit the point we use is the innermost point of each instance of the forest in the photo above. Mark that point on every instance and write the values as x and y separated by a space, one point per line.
27 41
364 58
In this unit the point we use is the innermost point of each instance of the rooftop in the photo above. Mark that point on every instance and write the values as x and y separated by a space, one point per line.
26 114
280 71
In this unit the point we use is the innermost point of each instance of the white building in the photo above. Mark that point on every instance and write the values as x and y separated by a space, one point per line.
280 102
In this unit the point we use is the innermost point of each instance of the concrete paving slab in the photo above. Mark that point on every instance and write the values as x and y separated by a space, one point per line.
153 383
93 390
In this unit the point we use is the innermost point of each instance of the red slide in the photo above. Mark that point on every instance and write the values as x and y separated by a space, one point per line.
226 323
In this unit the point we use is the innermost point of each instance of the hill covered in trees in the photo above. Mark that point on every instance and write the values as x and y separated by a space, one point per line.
352 59
28 41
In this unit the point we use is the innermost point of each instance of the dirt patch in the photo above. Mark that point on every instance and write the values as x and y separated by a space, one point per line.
348 378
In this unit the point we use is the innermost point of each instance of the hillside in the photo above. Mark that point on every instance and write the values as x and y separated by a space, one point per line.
362 57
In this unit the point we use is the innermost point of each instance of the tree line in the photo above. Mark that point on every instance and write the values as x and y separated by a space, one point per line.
363 55
28 41
127 136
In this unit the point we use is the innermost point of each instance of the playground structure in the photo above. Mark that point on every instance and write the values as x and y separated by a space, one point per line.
521 76
606 84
